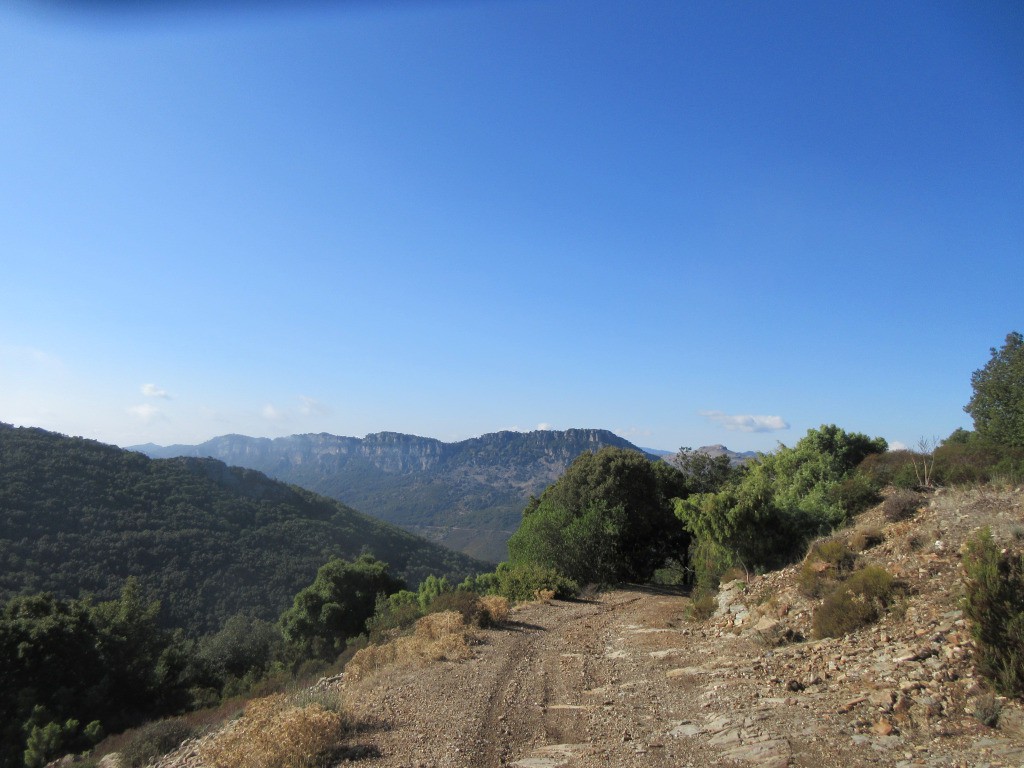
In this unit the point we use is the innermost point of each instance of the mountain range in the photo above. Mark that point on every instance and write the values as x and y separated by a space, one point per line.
468 495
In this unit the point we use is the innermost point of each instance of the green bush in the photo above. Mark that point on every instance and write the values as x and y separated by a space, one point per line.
854 603
894 468
709 560
672 574
430 589
994 602
153 740
855 492
523 581
393 612
783 500
976 461
47 741
482 584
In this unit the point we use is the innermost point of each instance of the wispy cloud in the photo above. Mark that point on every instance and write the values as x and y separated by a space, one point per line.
633 432
544 426
742 422
310 407
31 355
152 390
307 407
147 412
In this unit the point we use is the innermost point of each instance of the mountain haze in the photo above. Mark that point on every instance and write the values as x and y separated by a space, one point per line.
468 495
209 540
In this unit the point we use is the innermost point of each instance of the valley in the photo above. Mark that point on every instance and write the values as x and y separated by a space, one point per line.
468 495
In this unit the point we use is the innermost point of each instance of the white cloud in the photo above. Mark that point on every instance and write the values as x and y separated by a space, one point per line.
271 413
152 390
544 426
745 422
147 412
310 407
896 445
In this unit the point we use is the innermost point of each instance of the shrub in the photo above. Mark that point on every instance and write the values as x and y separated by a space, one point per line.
464 603
275 732
430 589
977 461
702 605
828 561
393 612
494 610
856 602
672 573
153 740
710 560
520 582
987 709
855 492
901 505
890 468
866 538
994 602
437 636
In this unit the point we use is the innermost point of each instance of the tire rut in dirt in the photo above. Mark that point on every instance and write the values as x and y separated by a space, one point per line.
536 699
501 730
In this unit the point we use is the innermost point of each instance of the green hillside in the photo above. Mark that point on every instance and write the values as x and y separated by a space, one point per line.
79 517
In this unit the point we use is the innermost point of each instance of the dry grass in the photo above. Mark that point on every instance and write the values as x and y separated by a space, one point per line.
866 538
436 637
545 595
494 610
278 732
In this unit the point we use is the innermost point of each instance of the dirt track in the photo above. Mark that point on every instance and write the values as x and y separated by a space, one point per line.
617 681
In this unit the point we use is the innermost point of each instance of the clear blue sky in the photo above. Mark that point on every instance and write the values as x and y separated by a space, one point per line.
689 223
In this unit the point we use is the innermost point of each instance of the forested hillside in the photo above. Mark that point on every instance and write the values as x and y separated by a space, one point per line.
208 540
468 495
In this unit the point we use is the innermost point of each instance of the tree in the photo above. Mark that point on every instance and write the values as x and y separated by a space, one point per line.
997 405
608 518
766 516
705 473
336 606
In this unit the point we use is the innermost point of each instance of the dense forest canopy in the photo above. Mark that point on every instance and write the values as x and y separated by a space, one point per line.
208 540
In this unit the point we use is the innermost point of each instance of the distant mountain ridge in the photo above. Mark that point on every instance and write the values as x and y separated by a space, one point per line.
735 457
468 495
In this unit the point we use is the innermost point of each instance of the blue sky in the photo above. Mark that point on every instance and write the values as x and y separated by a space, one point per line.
689 223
